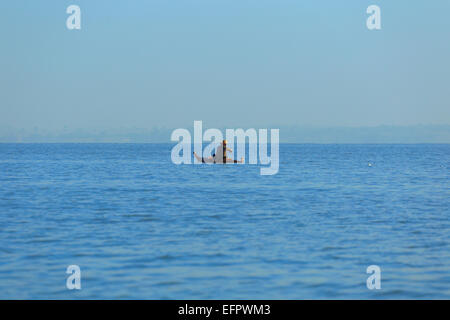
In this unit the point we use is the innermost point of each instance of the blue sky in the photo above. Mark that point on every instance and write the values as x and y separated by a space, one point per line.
260 63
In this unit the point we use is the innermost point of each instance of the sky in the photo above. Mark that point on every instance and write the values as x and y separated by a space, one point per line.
237 64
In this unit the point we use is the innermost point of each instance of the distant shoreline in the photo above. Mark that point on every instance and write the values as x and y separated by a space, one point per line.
384 134
281 143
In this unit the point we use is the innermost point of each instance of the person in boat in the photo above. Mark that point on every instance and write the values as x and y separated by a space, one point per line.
220 156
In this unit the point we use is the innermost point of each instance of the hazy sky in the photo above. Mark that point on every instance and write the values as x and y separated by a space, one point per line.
246 63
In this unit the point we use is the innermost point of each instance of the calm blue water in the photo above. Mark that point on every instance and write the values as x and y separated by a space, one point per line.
141 227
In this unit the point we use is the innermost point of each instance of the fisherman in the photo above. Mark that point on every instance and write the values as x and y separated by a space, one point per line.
220 156
221 153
